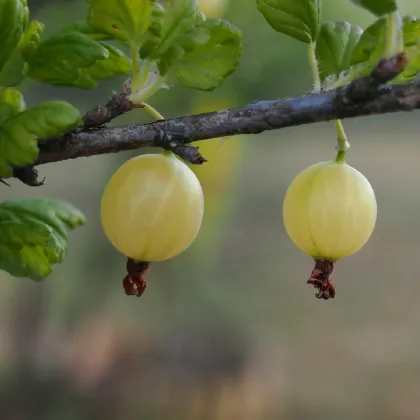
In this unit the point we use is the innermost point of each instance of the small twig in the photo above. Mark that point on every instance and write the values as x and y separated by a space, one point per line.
28 175
386 70
116 105
96 118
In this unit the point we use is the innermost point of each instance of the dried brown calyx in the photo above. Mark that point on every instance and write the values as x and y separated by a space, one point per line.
320 279
135 282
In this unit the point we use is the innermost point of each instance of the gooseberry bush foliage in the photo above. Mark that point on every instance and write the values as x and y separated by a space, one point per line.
156 44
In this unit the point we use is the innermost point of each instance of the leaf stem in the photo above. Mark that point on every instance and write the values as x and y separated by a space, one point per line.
394 35
342 142
313 62
136 64
147 81
144 72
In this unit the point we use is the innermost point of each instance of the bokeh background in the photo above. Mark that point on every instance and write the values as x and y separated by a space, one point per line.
229 329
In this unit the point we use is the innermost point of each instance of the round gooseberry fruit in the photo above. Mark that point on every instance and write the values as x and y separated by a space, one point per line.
329 212
152 209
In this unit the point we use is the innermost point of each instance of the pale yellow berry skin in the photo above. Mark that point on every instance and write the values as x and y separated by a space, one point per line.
329 211
152 207
213 8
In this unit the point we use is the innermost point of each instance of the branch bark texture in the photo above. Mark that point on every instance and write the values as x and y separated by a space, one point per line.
364 97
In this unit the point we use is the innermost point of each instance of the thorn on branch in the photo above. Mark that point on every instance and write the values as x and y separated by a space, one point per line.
386 70
116 105
28 175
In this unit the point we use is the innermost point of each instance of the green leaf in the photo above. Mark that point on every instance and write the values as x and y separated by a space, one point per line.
152 38
24 4
299 19
411 30
378 7
413 67
33 235
412 48
12 72
371 48
180 16
209 64
124 20
60 59
19 134
12 24
85 28
117 63
371 44
11 104
334 47
109 61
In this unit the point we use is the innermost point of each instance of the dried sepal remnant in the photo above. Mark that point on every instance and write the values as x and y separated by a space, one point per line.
321 279
135 282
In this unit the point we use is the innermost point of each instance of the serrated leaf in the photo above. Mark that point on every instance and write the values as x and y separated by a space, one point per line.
85 28
19 134
117 63
378 7
371 45
12 72
124 20
413 67
24 4
334 47
180 16
371 48
60 59
154 33
299 19
411 30
11 103
209 65
33 235
412 48
12 25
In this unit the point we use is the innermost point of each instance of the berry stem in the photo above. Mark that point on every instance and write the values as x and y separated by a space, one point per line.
342 142
394 36
152 111
157 116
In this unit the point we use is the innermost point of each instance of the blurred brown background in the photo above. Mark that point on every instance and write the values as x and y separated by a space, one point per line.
229 329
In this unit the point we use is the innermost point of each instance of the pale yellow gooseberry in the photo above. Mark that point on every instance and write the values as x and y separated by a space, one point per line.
213 8
152 207
330 211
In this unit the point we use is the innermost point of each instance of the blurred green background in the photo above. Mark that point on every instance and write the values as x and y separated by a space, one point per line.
229 329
